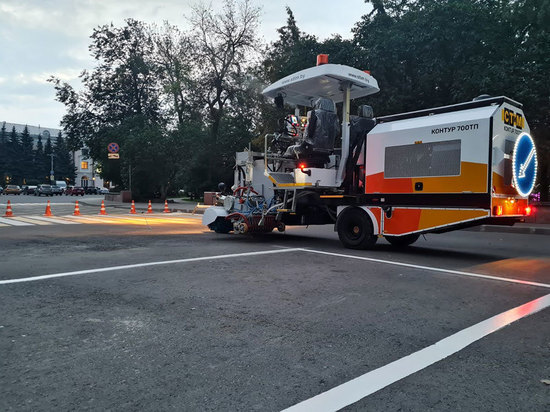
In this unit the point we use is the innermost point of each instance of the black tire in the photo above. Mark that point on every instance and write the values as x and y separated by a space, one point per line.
355 229
402 241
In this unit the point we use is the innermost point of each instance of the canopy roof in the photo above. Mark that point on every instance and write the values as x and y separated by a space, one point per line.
305 86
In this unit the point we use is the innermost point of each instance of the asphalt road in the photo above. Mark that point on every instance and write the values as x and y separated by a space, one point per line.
266 331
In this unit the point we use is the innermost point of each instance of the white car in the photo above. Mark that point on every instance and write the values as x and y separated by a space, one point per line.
103 191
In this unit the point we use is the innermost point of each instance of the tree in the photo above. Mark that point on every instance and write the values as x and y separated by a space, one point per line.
3 152
24 164
64 167
13 171
222 48
40 162
120 95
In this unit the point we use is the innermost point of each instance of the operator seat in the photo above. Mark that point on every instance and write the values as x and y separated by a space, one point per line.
361 124
322 130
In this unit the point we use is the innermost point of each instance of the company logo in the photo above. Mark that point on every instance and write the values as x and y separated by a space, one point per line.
512 118
524 164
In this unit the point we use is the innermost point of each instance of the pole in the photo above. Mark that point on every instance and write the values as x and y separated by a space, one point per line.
52 176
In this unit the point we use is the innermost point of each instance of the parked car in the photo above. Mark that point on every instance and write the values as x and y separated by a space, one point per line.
45 190
1 190
103 190
12 190
56 190
75 191
28 190
90 190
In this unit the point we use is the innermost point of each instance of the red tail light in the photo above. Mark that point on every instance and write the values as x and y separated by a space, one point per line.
302 166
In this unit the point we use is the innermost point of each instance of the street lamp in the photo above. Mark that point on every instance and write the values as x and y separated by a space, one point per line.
52 176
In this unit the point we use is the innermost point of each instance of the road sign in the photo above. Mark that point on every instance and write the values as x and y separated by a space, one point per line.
113 156
113 147
524 164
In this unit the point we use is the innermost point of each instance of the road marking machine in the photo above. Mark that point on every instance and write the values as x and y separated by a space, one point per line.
398 176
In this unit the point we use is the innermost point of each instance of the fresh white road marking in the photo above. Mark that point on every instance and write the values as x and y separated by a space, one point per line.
365 385
140 265
433 269
56 219
11 222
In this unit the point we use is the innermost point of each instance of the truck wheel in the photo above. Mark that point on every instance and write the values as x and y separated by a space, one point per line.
355 229
402 241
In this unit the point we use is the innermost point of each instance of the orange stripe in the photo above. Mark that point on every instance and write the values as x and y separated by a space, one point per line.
473 178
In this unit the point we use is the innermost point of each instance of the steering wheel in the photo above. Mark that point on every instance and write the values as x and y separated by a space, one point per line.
294 129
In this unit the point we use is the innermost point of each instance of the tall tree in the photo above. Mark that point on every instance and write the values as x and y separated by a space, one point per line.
14 172
121 94
40 164
3 152
223 47
25 163
64 169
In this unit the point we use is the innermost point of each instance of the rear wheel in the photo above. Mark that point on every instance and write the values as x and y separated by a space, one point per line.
402 241
355 229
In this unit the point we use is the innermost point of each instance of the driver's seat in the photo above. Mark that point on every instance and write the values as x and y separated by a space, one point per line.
321 132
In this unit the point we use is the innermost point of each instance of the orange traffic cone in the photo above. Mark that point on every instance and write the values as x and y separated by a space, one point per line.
102 211
48 211
133 208
166 210
149 208
9 212
76 209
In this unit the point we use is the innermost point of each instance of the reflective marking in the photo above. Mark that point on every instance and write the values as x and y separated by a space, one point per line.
56 219
371 382
140 265
31 221
434 269
11 222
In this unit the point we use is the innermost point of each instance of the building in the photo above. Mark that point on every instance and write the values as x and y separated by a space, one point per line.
86 173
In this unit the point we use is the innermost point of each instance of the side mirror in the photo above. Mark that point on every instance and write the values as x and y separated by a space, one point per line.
279 102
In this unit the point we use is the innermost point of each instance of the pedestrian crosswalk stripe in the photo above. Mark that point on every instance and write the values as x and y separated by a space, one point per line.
56 219
11 222
28 220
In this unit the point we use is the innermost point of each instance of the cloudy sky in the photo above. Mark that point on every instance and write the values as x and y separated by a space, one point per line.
40 38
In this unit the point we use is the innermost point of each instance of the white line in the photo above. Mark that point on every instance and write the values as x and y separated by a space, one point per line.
140 265
371 382
11 222
434 269
56 219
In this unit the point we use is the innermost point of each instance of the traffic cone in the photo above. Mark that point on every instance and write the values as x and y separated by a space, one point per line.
48 211
102 211
149 208
166 210
76 209
133 208
9 212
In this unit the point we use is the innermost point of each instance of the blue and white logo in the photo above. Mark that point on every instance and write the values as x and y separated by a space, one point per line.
524 164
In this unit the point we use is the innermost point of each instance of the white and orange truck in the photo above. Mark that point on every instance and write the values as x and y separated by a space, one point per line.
397 177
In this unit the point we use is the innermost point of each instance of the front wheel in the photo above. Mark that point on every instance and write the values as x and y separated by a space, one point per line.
402 241
355 229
